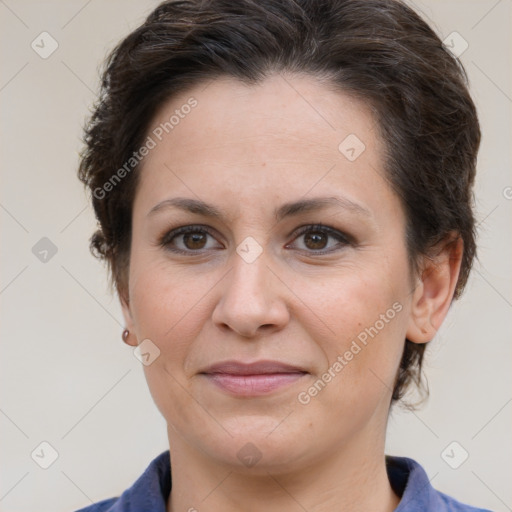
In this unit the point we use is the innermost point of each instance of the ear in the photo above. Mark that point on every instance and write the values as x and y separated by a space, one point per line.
128 318
435 289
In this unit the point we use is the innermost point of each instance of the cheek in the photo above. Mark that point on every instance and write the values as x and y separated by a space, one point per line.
159 307
367 320
164 300
168 310
171 307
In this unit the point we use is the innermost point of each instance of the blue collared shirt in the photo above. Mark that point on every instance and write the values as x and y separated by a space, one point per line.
408 479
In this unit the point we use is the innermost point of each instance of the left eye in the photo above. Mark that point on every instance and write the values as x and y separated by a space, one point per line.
316 238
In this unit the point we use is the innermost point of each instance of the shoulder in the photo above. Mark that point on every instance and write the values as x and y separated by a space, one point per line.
410 481
149 492
452 505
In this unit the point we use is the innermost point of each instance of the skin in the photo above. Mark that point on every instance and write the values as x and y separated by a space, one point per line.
247 150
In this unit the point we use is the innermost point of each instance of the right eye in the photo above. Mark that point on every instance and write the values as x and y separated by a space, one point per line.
187 239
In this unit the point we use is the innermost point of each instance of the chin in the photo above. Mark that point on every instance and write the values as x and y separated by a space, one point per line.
257 445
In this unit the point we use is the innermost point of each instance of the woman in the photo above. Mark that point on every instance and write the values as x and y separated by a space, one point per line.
284 197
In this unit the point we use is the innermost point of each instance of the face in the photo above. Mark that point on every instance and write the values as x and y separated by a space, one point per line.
319 292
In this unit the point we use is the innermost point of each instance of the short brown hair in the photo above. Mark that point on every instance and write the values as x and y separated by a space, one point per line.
378 50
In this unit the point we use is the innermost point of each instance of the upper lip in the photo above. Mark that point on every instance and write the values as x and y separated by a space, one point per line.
255 368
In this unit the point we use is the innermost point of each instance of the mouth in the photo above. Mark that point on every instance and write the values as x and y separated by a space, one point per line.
252 379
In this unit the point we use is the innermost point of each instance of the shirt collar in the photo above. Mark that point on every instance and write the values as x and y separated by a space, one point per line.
407 478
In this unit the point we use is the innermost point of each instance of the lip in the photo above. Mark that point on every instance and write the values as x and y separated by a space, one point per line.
256 368
252 379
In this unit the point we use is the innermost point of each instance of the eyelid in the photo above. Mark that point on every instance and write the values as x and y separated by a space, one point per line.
343 238
168 235
336 233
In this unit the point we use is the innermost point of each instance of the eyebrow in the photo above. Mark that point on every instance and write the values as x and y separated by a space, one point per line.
286 210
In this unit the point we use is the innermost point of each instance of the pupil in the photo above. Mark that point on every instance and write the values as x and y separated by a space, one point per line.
195 237
316 239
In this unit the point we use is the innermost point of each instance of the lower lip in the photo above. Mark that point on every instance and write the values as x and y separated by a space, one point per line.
253 385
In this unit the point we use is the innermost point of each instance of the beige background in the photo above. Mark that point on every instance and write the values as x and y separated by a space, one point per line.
66 377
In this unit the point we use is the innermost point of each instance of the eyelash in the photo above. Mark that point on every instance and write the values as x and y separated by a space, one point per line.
344 239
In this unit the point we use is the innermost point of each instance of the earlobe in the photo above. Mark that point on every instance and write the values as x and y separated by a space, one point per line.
435 289
129 333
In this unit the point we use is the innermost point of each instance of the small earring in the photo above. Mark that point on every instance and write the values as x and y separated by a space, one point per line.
125 335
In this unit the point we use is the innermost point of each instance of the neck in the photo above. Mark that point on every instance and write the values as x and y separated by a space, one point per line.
347 479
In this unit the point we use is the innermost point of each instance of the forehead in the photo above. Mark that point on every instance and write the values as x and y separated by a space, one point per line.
287 134
289 109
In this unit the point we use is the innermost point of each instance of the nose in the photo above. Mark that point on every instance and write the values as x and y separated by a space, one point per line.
253 299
